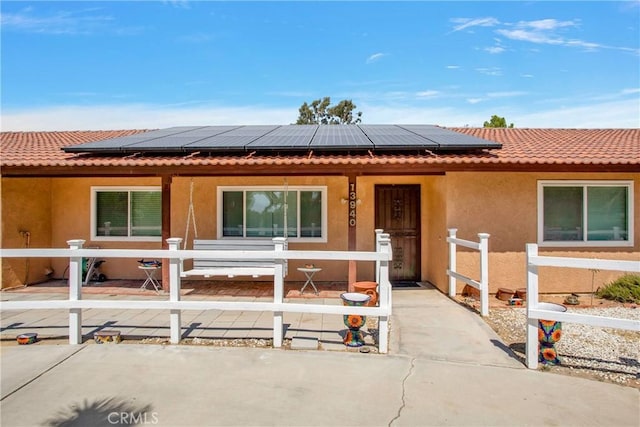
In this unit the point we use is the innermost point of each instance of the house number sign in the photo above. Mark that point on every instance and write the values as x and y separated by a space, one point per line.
352 204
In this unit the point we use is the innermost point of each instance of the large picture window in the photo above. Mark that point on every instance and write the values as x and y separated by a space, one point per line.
598 213
120 213
297 213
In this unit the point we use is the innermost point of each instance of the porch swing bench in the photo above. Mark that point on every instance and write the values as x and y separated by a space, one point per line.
212 267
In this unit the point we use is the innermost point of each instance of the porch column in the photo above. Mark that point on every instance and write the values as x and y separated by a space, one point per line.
352 197
166 227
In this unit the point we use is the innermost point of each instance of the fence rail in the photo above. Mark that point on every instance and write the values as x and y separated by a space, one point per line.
75 303
483 285
535 313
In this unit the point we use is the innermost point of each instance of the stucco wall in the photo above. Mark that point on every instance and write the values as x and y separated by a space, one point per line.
26 208
505 206
502 204
435 217
71 213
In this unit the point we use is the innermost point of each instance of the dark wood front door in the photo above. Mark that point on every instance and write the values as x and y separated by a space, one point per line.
398 213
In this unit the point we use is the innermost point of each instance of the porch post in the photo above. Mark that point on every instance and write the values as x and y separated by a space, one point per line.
166 227
352 222
75 293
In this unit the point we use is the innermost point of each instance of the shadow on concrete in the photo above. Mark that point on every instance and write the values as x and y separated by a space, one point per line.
510 350
104 412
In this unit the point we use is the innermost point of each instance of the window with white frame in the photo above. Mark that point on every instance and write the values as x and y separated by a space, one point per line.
297 213
126 213
585 213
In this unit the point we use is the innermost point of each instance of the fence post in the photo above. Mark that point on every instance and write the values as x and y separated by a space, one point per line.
484 273
384 242
452 262
378 232
75 293
532 304
278 293
175 315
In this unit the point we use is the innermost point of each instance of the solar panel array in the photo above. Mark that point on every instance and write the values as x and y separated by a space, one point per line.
291 138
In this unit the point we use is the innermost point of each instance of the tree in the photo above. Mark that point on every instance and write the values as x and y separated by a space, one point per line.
320 112
497 122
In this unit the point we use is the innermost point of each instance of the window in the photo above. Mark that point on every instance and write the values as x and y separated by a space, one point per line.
265 212
120 213
598 213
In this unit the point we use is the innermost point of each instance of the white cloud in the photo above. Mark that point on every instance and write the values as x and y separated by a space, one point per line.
375 57
597 114
547 24
181 4
453 67
614 114
140 116
196 38
494 49
545 31
78 22
630 91
464 23
490 71
474 100
427 94
506 94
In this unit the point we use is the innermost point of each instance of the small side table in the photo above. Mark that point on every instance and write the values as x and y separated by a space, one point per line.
309 272
150 271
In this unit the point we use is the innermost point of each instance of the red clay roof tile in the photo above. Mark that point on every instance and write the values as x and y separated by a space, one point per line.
520 147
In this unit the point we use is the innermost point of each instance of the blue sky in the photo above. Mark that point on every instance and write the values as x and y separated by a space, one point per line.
121 65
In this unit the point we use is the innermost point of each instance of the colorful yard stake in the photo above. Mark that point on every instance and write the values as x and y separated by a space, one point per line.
28 338
549 333
107 337
354 322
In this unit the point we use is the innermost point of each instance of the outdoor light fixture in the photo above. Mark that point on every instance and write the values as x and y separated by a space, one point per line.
344 201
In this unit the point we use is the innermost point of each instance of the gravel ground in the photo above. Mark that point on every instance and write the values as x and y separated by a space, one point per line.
611 355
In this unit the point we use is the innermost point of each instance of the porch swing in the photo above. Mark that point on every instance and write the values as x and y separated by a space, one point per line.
191 216
208 267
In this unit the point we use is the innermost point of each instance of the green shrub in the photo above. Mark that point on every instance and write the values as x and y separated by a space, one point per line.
624 289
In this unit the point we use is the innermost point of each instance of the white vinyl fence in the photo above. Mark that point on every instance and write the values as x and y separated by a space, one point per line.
483 285
534 312
174 256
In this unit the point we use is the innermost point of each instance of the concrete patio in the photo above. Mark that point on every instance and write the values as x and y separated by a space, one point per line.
445 367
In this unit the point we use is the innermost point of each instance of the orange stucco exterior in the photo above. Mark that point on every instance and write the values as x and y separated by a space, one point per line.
503 204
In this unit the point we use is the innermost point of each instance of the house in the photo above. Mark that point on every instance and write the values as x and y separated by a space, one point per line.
575 192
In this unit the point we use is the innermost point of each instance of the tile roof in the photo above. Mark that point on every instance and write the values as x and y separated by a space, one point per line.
598 148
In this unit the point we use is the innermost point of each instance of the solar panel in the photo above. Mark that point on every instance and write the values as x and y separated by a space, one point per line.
179 141
340 137
233 140
389 137
327 138
286 138
448 139
123 143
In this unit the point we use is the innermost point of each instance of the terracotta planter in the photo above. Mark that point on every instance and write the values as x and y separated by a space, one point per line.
369 288
521 293
504 294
